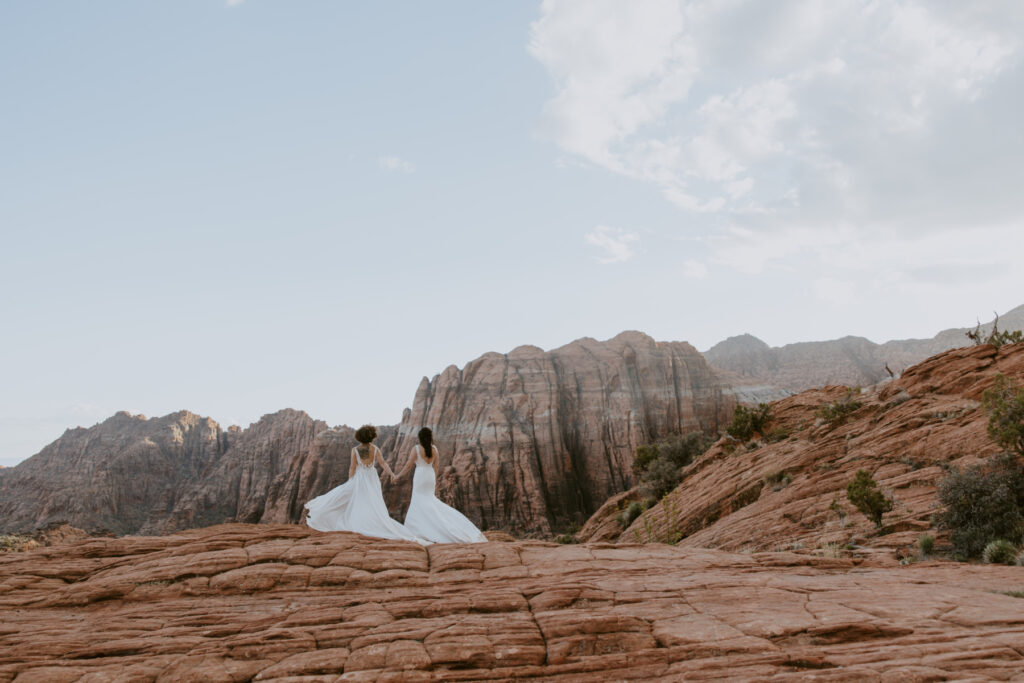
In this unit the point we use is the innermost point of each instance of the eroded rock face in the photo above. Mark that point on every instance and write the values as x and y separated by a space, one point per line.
907 433
532 441
270 602
243 483
130 475
122 475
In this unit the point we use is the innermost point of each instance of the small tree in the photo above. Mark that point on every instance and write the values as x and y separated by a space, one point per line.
749 421
645 455
995 337
1004 403
982 504
837 412
863 493
658 467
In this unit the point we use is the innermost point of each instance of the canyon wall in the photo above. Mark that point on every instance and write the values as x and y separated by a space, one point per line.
122 475
534 441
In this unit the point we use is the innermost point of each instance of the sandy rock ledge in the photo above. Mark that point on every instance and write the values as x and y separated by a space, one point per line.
258 602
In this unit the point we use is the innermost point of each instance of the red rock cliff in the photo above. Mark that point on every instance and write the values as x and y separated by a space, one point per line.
533 441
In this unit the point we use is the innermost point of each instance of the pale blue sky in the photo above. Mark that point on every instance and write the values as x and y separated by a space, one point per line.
236 209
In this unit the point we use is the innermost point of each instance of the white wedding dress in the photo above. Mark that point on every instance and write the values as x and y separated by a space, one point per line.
358 505
431 519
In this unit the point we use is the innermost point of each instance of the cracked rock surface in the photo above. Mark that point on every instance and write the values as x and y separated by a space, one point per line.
241 602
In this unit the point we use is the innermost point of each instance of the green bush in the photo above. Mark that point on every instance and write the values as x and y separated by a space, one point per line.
863 493
643 458
999 552
926 544
749 421
629 515
661 464
1004 403
983 503
837 412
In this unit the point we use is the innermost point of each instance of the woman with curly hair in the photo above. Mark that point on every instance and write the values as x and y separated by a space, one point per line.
428 517
358 504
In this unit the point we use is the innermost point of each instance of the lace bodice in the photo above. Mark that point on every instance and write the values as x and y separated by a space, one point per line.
361 463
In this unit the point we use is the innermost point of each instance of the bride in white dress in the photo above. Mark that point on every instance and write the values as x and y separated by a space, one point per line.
358 504
428 517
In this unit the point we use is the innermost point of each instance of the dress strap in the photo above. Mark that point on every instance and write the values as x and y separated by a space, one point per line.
423 458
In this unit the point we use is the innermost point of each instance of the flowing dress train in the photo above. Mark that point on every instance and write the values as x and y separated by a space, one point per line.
358 505
431 519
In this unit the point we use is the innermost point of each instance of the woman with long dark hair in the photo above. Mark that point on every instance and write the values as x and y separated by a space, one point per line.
428 517
358 504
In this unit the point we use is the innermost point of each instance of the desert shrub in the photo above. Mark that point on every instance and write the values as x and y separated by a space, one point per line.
16 543
749 421
776 436
863 493
926 544
566 539
643 458
777 480
629 515
999 551
663 462
837 507
1004 403
837 412
983 503
833 550
1020 559
995 336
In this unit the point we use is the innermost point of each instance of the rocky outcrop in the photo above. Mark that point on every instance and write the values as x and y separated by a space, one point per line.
791 493
762 373
122 475
533 441
269 602
245 481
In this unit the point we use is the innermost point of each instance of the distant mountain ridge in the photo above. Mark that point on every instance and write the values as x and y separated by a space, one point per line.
760 372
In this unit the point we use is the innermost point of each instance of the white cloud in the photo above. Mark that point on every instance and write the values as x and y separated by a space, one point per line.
396 164
695 270
615 242
792 125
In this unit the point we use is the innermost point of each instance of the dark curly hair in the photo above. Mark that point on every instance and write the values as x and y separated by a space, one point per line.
426 438
366 434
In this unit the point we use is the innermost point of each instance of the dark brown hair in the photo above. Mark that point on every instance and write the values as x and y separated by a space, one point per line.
426 438
366 434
